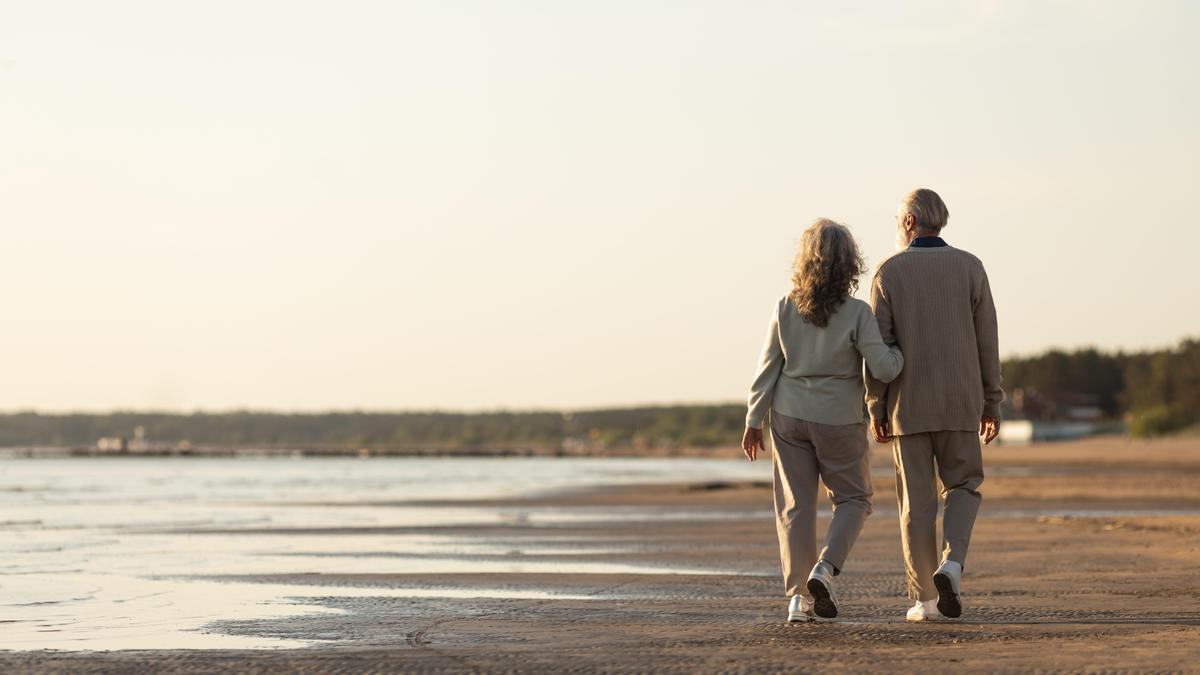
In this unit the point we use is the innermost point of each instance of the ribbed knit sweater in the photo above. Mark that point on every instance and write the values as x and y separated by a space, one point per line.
937 305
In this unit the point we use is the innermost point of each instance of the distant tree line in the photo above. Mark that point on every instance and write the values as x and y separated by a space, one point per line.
580 432
1158 392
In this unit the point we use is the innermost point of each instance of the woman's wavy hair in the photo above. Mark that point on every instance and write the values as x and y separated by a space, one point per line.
825 271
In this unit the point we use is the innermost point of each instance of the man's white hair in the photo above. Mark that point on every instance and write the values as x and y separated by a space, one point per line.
928 210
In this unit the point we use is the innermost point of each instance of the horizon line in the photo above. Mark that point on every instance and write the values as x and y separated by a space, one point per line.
368 411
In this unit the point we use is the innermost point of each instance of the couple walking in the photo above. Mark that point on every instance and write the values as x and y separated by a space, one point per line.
932 388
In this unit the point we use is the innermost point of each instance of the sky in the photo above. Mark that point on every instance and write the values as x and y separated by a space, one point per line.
457 204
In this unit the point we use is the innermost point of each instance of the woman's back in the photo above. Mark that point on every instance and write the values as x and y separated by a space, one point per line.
812 351
815 372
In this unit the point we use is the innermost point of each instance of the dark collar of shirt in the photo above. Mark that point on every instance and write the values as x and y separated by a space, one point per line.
927 242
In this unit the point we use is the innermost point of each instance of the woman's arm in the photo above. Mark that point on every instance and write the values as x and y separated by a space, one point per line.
883 362
770 365
877 390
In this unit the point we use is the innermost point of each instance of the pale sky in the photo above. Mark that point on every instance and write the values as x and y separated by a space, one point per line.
568 203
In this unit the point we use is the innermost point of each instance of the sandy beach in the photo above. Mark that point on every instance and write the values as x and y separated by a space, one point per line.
1086 559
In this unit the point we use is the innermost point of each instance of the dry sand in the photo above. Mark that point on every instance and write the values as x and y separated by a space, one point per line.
1086 559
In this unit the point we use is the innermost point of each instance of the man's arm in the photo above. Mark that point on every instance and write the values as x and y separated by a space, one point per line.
988 340
877 389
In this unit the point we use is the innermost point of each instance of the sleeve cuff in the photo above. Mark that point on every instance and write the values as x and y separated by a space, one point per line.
991 410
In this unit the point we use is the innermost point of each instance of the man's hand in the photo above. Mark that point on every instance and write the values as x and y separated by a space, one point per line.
881 430
988 428
752 443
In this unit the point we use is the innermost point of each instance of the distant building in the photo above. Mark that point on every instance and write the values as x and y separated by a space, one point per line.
112 444
1031 415
1030 404
139 444
1029 431
123 444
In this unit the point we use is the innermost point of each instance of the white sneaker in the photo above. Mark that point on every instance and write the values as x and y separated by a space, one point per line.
924 611
800 610
948 580
820 585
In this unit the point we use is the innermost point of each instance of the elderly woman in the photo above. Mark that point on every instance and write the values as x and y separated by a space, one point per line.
810 380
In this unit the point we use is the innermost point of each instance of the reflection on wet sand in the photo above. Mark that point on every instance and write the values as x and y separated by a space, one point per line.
95 612
103 554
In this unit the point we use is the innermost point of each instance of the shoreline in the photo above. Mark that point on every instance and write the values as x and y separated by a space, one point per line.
698 589
1114 448
1103 448
363 453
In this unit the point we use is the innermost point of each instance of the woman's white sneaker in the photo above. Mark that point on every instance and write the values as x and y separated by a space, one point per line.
924 611
800 610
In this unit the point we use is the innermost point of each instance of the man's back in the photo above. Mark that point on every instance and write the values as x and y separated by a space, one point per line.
935 303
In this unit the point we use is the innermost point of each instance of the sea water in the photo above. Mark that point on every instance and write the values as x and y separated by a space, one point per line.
141 553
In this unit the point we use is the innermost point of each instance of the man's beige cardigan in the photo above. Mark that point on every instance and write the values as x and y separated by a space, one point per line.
936 304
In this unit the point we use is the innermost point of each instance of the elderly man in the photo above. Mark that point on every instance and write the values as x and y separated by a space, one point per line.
934 301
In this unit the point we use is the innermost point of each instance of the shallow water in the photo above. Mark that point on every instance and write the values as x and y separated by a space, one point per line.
112 553
116 553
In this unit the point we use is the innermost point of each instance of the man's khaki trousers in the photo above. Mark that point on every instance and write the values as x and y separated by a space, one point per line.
805 452
959 465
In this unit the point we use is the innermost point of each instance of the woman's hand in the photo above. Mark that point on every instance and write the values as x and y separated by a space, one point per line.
881 431
752 442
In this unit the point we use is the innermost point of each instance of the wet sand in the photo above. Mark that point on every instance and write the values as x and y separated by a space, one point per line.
1086 558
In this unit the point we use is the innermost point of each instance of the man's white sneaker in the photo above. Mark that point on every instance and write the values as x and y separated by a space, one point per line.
924 611
948 581
800 610
820 585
